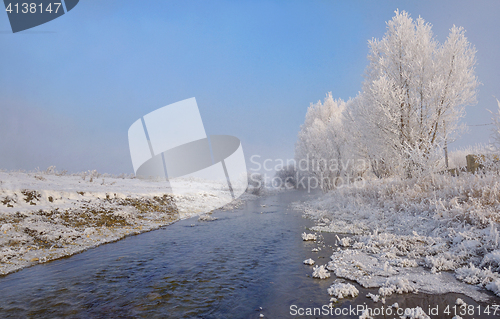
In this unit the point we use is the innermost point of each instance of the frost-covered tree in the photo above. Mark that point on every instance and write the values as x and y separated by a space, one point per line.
322 142
414 93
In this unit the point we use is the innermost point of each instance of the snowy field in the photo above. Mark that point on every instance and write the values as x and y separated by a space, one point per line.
437 235
46 215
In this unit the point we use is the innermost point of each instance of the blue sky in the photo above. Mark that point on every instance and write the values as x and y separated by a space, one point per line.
70 89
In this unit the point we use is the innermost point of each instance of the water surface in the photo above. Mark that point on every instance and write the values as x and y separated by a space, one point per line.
248 259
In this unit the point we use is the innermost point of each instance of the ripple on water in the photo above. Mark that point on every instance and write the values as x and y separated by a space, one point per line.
227 268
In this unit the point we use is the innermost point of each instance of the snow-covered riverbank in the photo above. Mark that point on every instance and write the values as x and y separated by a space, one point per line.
435 235
48 216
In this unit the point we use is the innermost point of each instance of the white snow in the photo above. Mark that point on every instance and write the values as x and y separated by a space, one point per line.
396 285
494 286
492 259
344 242
375 298
206 218
414 313
309 262
307 237
475 276
342 290
440 233
365 315
46 215
320 272
460 302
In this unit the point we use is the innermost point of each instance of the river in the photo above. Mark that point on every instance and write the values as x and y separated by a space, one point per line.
247 263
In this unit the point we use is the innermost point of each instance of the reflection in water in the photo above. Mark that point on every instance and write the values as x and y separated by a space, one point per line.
249 258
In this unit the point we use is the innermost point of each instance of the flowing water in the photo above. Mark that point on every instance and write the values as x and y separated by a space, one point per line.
245 264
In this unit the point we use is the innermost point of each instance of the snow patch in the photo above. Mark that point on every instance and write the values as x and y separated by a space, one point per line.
206 218
320 272
309 262
47 215
342 290
396 285
308 237
414 313
439 232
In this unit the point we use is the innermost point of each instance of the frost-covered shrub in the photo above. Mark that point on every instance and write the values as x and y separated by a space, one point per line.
91 174
307 237
287 176
488 161
479 276
256 184
457 157
206 218
320 272
492 259
441 262
415 313
476 276
494 286
344 242
309 262
396 285
51 170
342 290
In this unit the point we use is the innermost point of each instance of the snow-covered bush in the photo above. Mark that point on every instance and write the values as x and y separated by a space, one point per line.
344 242
396 285
414 313
307 237
51 170
484 277
256 184
287 176
443 223
206 218
492 259
320 272
494 286
441 262
342 290
476 276
309 262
